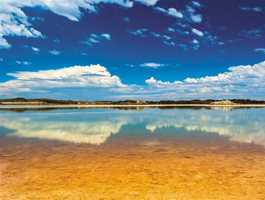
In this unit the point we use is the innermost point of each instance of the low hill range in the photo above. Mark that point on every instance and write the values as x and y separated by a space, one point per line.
45 101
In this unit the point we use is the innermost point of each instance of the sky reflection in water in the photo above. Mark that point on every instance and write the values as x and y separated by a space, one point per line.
95 126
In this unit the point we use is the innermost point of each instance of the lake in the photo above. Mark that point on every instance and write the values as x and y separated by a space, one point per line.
152 153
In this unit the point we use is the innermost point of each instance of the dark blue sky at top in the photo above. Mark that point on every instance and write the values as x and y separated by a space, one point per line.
232 36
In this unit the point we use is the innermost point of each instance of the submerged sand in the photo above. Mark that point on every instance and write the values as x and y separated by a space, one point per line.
3 167
133 168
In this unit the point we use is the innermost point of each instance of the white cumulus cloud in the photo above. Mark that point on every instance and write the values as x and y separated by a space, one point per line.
92 76
245 81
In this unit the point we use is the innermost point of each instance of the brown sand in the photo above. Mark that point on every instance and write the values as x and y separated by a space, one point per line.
133 168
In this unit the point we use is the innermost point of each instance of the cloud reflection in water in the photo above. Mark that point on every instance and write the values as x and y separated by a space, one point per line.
96 126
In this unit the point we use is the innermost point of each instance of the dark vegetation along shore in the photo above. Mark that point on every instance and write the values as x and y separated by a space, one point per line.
44 101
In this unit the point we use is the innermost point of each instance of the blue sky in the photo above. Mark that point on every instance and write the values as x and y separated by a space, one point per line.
144 49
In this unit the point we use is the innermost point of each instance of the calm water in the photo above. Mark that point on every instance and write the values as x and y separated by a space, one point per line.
99 126
184 154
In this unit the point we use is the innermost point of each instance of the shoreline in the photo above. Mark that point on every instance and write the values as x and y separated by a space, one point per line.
25 106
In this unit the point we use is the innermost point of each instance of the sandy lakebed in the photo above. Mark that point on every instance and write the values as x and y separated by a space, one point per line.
182 154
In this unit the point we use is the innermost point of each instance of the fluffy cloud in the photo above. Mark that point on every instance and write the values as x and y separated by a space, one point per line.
19 62
148 2
246 81
152 65
260 50
55 52
253 9
140 32
164 38
170 11
196 18
196 4
35 49
189 14
239 82
192 12
93 76
4 43
14 22
97 38
197 32
256 33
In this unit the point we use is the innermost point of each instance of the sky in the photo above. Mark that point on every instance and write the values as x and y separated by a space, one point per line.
132 49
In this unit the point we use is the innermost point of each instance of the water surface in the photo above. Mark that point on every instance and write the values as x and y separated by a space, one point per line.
133 154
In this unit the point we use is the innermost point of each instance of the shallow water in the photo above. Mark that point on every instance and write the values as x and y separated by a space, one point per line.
133 154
